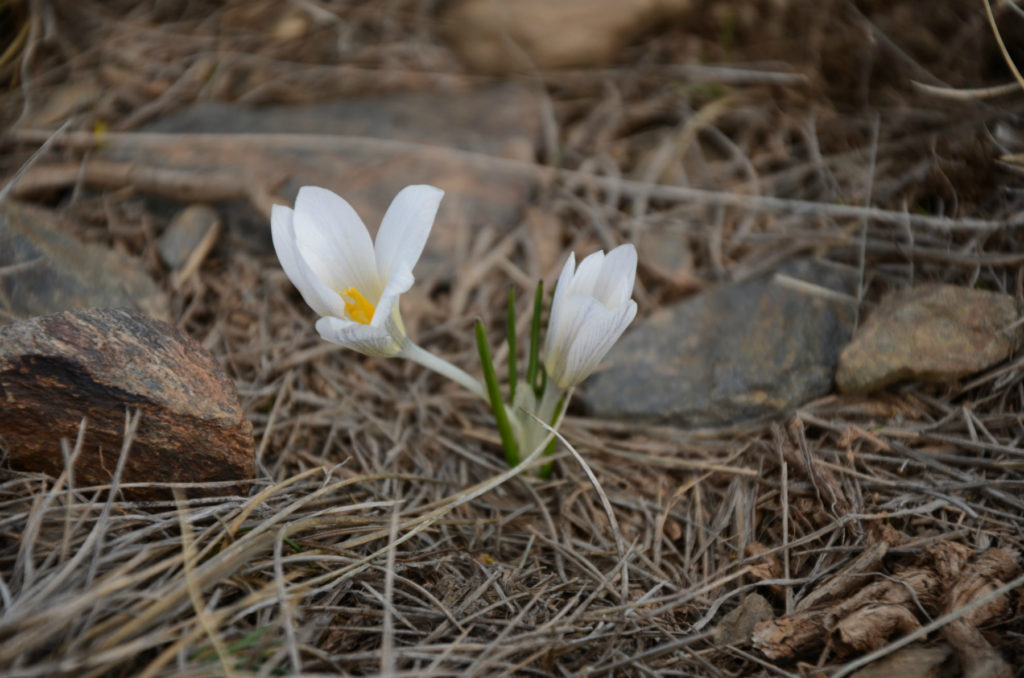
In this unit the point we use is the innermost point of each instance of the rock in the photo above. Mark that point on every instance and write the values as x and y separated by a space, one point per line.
664 253
913 662
368 149
187 240
57 369
529 35
45 270
193 230
736 627
934 333
734 352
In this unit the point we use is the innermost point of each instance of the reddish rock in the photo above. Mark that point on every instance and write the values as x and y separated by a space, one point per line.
96 364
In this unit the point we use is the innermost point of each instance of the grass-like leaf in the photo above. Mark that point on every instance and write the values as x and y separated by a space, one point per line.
508 440
532 364
510 322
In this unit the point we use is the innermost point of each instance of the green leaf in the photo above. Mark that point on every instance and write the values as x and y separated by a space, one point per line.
508 440
531 365
510 321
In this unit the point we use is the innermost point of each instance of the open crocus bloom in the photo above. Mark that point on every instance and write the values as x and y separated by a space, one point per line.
590 311
351 281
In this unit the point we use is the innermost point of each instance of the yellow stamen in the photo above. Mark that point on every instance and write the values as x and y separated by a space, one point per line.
357 307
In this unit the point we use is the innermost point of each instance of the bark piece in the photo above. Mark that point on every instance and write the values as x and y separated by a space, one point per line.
913 662
792 636
945 579
96 364
978 659
864 620
870 627
847 579
986 573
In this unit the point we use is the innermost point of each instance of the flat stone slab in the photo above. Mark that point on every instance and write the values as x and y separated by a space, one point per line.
56 370
367 150
44 270
732 353
932 333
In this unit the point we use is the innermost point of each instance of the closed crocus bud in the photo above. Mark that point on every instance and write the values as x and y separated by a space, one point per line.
590 311
352 282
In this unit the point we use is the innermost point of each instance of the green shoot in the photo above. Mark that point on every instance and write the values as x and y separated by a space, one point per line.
508 440
510 322
531 366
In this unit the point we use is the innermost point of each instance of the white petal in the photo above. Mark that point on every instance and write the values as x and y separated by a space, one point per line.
319 296
561 333
557 302
366 339
598 332
401 281
382 312
405 227
588 274
617 277
334 242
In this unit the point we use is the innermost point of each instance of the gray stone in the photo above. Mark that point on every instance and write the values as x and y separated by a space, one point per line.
734 352
934 333
192 230
45 270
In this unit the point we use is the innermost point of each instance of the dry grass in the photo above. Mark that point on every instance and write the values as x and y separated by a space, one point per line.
383 534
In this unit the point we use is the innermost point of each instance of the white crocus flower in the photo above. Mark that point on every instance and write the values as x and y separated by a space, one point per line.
351 281
590 311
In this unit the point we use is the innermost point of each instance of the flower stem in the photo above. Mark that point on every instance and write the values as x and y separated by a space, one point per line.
563 401
427 359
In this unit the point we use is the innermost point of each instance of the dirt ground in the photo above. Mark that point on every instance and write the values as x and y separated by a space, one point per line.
383 535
